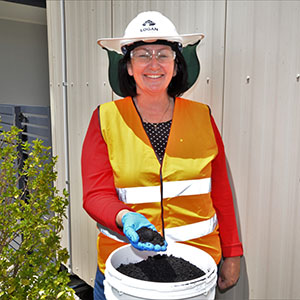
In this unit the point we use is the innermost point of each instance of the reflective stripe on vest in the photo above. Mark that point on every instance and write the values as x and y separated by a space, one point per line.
191 231
150 194
175 234
112 234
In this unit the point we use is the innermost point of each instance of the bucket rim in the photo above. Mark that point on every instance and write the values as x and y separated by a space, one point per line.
200 285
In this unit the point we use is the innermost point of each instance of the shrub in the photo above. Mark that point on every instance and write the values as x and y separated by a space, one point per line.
32 210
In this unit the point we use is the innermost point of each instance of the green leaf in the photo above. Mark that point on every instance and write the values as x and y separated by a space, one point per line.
11 289
60 294
25 282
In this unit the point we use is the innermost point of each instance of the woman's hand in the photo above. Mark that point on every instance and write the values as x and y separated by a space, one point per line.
229 273
132 222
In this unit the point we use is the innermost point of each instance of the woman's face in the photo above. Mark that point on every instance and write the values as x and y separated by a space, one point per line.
152 75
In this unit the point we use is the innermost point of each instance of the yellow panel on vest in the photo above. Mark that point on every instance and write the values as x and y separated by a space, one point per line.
130 151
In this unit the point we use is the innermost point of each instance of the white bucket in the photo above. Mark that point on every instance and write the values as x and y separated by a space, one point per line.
120 286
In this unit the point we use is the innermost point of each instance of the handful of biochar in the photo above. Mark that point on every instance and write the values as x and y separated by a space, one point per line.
148 235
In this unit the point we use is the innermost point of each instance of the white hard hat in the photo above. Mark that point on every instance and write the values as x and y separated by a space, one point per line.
147 27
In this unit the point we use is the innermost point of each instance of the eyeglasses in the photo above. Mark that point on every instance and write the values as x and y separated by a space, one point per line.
144 56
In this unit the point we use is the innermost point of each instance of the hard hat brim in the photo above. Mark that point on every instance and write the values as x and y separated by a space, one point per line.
115 44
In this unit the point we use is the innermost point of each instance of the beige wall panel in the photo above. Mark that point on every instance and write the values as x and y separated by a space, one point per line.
261 133
56 98
207 17
87 66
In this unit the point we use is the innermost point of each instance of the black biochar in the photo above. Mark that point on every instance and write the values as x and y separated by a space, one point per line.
148 235
162 268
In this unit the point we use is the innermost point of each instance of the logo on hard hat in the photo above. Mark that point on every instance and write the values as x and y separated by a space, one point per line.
149 22
148 28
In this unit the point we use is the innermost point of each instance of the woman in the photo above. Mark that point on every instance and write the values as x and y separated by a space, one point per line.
155 160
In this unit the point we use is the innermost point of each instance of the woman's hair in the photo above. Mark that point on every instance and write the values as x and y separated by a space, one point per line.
178 84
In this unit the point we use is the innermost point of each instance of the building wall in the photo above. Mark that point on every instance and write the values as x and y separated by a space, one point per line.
261 130
249 66
24 73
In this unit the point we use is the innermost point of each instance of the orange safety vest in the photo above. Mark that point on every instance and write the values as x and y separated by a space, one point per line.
178 189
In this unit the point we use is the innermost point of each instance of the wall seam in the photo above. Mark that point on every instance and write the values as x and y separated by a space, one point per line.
66 128
112 33
224 70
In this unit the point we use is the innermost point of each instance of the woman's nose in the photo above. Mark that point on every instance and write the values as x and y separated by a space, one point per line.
154 62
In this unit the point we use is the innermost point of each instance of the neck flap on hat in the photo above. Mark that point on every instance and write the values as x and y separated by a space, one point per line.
189 53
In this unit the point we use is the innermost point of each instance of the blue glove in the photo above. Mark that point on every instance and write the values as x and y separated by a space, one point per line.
131 223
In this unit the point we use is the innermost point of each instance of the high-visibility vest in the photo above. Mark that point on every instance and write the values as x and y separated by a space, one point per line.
174 195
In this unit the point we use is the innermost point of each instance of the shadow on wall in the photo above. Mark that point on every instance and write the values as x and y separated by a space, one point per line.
241 290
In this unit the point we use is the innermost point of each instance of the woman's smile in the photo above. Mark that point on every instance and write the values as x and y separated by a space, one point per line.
154 76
